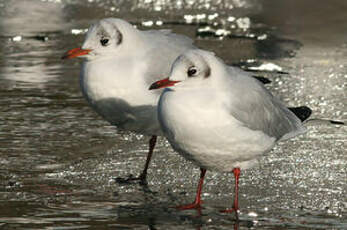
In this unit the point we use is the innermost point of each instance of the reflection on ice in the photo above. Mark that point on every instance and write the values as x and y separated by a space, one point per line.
17 38
78 31
160 5
26 17
25 57
267 67
36 75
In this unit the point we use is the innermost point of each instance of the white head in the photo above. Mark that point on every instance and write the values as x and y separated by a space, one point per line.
193 68
106 37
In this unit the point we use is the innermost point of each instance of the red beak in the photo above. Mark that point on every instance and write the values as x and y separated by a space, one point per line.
75 53
162 84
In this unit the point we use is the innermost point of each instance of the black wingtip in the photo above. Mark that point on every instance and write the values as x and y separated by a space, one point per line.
302 112
263 80
337 122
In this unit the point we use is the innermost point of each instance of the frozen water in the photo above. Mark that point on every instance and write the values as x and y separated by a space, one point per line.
59 159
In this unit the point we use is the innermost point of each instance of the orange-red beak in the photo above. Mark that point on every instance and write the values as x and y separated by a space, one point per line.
162 84
75 53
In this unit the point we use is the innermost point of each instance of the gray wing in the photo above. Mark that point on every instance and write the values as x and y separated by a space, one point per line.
253 105
163 48
167 35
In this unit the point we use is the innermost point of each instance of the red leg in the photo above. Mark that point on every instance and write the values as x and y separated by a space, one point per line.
237 172
143 176
197 202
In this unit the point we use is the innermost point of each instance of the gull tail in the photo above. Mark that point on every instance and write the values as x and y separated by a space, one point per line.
304 112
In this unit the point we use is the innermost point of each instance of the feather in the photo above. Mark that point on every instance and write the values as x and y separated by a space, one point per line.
259 109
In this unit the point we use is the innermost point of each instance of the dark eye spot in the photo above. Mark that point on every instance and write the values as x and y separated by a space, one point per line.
120 38
191 71
104 41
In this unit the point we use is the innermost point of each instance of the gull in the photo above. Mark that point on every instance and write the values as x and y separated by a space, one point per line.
220 118
120 63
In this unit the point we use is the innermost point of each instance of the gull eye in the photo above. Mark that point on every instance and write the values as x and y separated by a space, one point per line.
104 41
192 71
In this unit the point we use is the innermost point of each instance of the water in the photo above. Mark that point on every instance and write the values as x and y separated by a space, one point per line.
59 159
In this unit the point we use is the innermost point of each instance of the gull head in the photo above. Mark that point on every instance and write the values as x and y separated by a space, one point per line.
190 69
104 38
